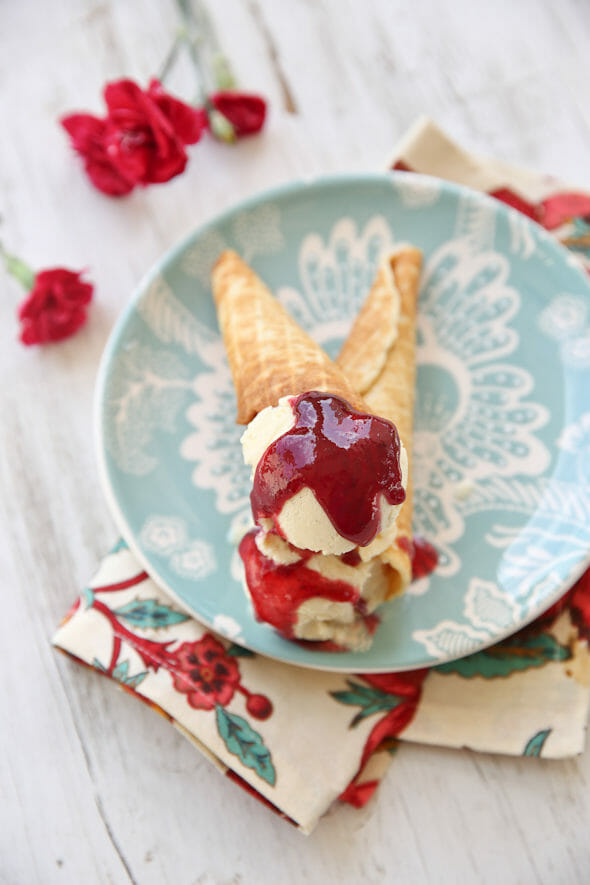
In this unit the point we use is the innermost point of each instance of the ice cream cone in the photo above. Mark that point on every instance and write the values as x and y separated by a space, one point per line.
269 355
378 357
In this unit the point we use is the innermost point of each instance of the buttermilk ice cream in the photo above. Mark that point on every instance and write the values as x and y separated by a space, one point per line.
300 517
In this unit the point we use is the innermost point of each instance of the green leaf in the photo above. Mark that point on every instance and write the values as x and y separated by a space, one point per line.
370 710
120 673
391 746
366 696
352 698
513 654
220 126
238 651
245 743
150 613
535 745
136 680
579 241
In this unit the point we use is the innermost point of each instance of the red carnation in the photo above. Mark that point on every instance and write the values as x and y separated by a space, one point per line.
246 112
55 307
140 141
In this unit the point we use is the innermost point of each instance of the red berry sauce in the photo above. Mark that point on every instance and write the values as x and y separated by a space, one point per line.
423 555
277 591
353 557
345 457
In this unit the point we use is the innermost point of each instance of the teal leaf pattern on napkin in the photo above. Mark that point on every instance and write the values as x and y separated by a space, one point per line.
370 699
150 613
121 673
513 654
238 651
245 743
534 747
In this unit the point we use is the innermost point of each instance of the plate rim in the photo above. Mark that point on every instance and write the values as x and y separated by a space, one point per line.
388 178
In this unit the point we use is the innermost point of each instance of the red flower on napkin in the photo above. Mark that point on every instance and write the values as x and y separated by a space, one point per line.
55 307
205 672
140 141
246 112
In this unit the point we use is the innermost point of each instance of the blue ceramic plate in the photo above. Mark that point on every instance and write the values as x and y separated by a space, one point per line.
502 438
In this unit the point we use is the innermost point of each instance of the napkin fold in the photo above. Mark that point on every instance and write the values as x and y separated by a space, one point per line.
300 739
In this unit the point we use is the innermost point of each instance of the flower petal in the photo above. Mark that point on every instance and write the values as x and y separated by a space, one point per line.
245 111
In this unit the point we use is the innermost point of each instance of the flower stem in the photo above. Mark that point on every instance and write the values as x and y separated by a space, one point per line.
219 124
200 35
172 54
193 39
18 269
201 39
223 76
122 585
115 654
222 73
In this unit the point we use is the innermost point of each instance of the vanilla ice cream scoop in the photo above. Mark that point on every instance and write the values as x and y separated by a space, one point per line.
326 477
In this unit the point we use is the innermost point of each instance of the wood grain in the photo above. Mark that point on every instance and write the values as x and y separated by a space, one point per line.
95 787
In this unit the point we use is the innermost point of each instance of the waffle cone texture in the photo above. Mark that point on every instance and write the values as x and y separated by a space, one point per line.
269 355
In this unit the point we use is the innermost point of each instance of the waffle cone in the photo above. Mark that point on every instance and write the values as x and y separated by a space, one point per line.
379 359
269 355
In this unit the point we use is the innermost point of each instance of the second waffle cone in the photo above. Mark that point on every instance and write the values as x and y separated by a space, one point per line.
379 359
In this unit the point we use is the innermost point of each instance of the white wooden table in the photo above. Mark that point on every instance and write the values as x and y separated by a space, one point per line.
94 787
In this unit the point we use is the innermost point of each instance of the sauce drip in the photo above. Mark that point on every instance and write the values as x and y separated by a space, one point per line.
277 591
423 555
353 558
345 457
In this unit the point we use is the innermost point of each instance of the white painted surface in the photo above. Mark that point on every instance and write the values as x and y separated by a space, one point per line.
96 788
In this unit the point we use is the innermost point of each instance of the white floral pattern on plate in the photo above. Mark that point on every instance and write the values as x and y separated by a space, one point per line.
335 276
566 320
168 537
258 231
418 191
474 419
148 388
227 626
556 539
487 607
214 445
196 562
164 534
487 611
199 258
450 639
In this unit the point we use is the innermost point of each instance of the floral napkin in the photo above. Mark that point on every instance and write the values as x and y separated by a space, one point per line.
253 717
